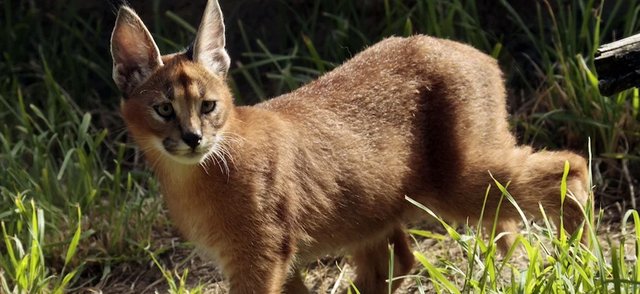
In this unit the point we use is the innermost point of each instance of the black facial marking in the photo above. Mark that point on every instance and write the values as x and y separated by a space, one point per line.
184 80
168 144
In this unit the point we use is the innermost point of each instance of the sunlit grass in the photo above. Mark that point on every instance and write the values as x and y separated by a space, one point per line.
23 268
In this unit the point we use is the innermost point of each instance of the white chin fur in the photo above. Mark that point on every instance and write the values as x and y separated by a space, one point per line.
189 159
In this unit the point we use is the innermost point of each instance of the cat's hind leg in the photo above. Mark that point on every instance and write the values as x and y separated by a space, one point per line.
372 262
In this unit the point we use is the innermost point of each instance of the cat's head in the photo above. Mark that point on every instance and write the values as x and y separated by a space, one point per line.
176 104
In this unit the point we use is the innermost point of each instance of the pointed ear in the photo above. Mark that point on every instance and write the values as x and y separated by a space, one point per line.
208 48
135 54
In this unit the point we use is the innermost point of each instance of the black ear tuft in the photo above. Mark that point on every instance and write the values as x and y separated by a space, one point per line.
189 52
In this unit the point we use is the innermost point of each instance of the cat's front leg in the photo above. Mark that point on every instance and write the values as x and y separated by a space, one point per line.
260 269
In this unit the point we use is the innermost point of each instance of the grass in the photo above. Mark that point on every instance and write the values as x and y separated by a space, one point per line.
554 263
75 200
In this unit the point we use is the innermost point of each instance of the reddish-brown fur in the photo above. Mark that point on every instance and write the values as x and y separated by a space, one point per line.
326 168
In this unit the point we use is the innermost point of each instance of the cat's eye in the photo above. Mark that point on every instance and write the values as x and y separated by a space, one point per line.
207 106
165 110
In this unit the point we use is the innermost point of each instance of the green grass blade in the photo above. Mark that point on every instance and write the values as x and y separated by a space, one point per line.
450 230
65 162
73 245
315 57
435 274
181 22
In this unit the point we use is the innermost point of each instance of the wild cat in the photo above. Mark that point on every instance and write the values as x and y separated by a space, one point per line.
265 189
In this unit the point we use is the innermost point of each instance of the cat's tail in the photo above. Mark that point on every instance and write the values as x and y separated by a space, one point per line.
539 181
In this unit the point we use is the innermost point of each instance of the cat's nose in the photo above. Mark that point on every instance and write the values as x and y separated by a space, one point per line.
192 139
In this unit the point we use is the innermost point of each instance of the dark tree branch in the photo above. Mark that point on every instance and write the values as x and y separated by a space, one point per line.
618 65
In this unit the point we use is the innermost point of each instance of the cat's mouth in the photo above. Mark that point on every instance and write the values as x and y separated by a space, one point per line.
184 154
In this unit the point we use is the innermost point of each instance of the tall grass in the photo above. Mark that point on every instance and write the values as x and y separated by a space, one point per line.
24 263
565 107
54 158
75 200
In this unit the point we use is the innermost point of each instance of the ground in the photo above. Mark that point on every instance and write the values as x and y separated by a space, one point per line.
321 276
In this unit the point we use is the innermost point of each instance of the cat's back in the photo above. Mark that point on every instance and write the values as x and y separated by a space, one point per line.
389 84
397 68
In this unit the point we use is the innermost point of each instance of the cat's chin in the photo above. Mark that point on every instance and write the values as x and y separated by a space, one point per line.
191 159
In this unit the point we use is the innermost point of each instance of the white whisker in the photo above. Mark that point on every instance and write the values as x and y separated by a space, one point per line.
205 163
224 161
214 156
